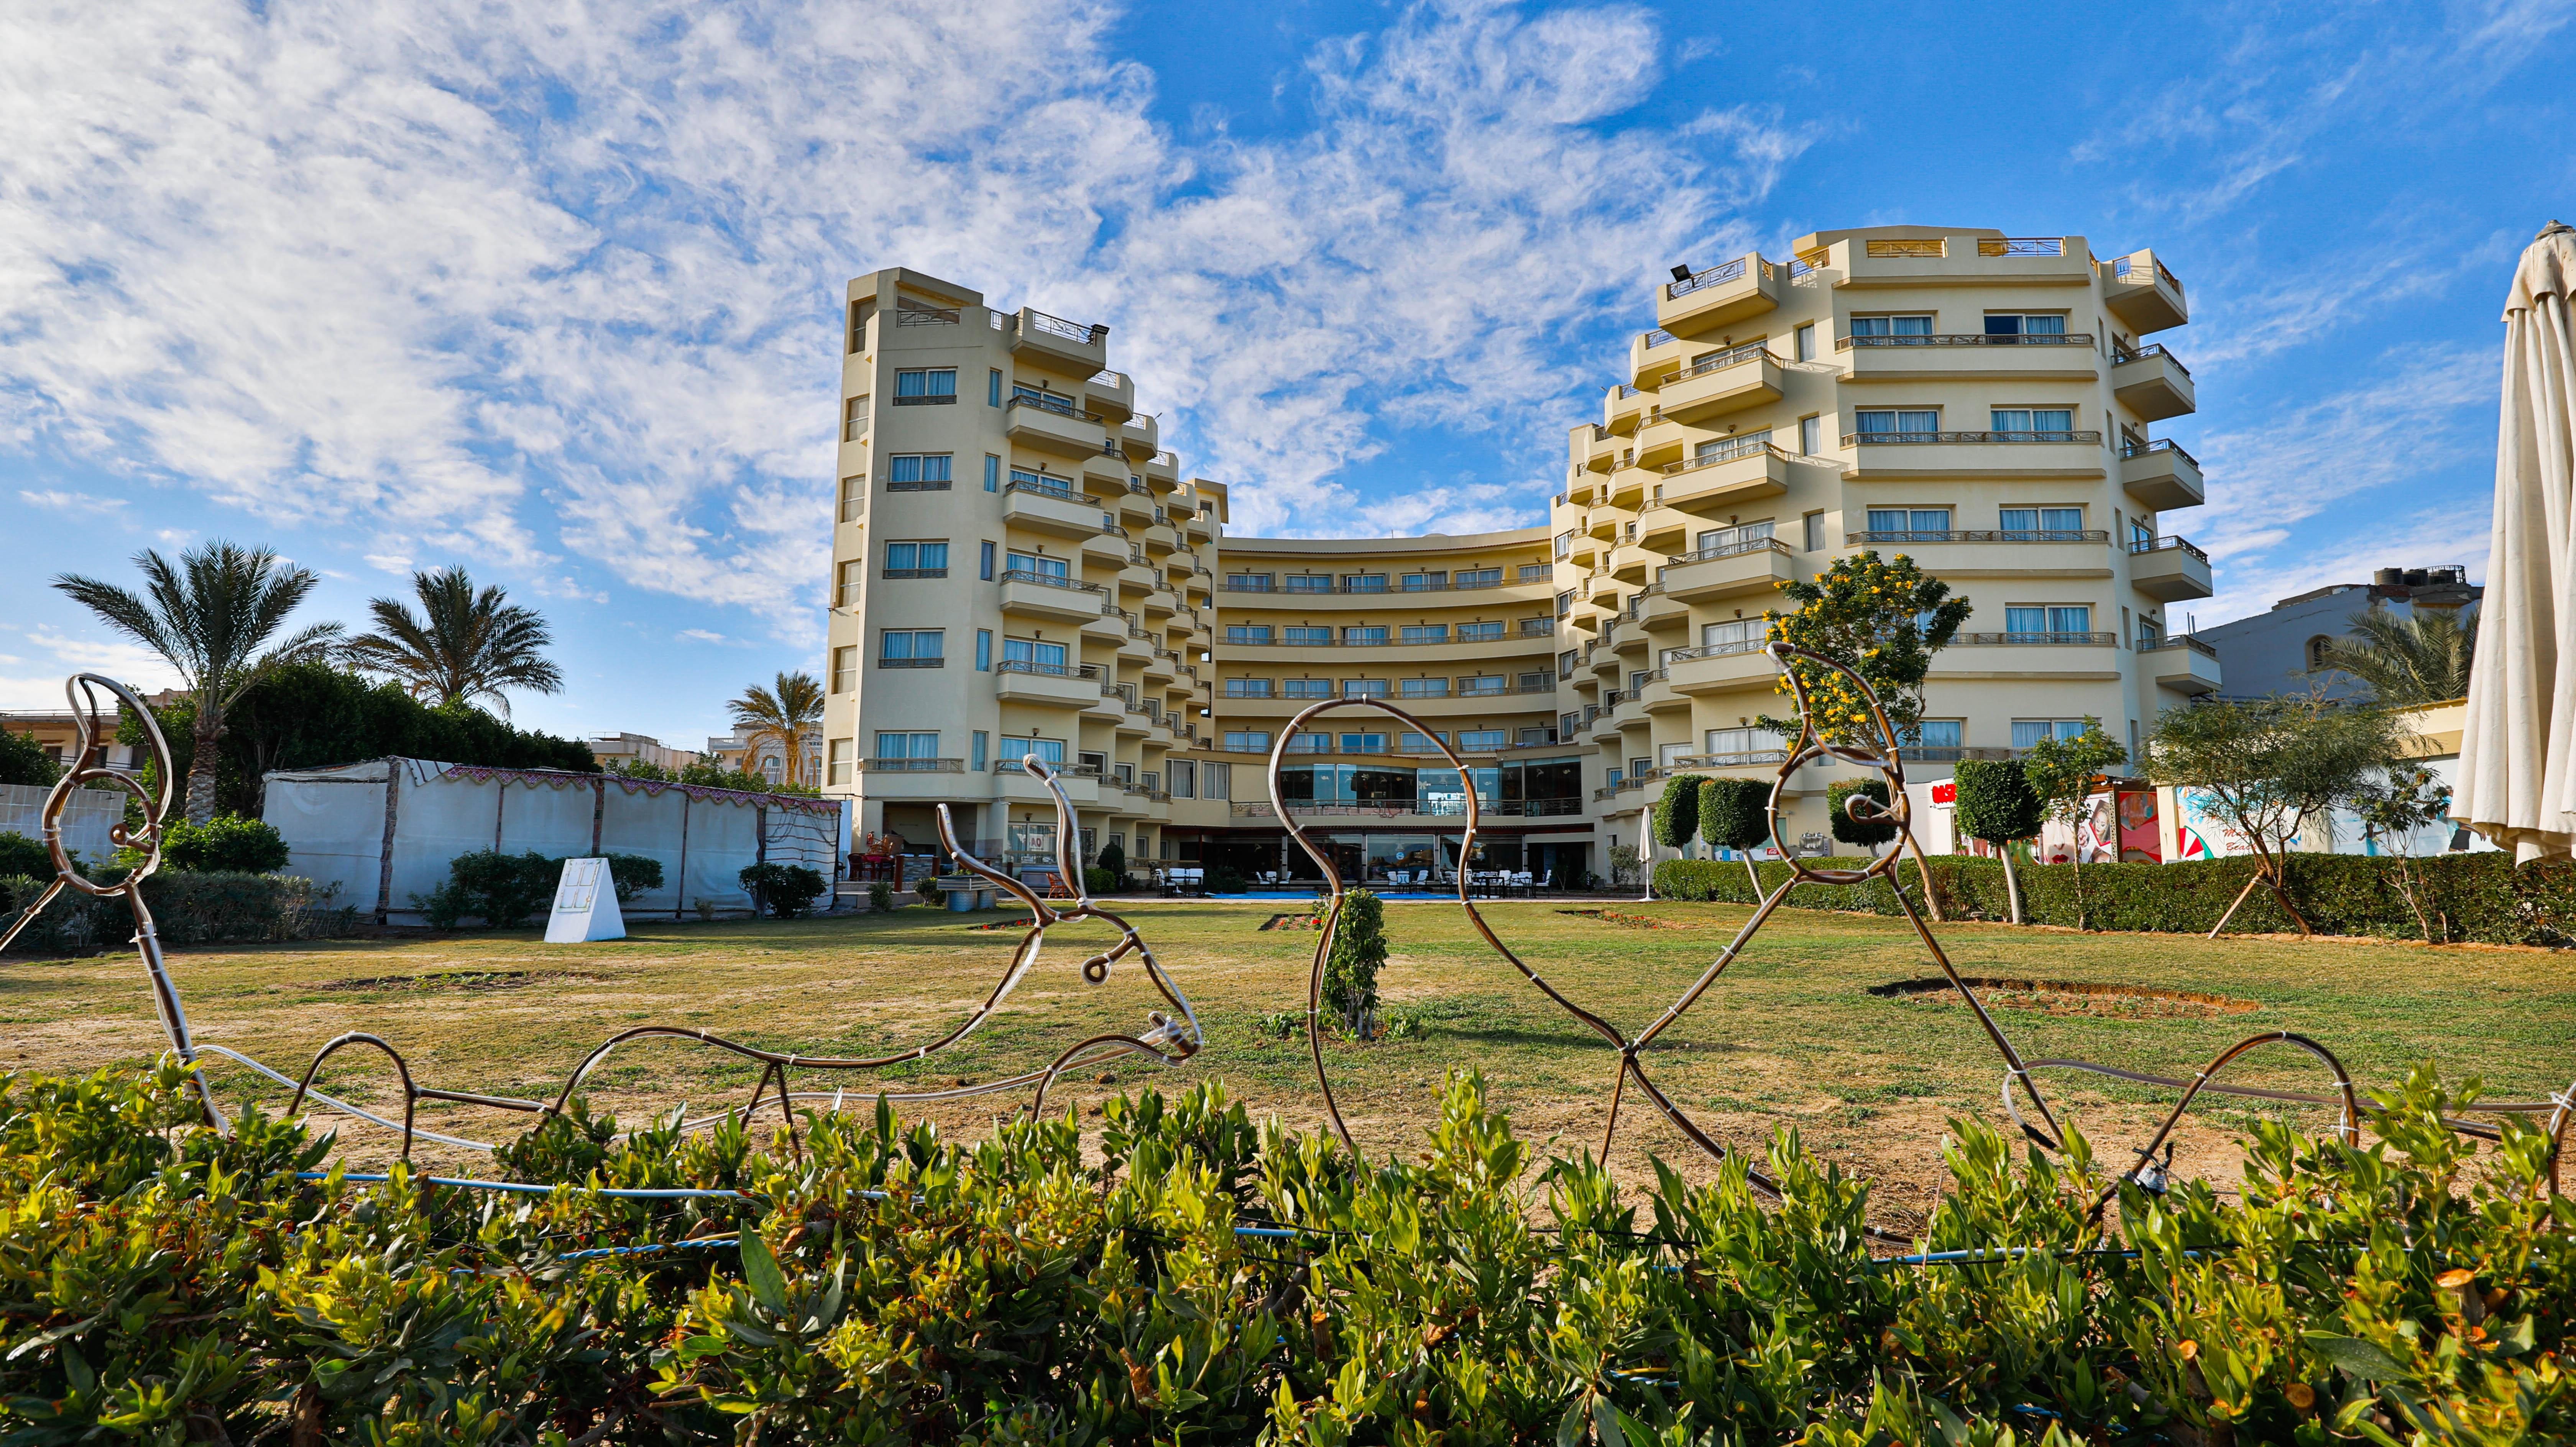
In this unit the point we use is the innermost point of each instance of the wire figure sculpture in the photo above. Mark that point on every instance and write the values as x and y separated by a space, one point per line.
1168 1039
1886 760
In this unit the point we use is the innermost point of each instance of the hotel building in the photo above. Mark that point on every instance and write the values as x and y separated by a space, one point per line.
1019 567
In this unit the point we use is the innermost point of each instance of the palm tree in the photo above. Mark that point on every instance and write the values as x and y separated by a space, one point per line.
783 714
463 646
208 616
2420 658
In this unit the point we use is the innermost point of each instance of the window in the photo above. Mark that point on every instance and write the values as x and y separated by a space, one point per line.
1219 782
1422 633
1476 578
1363 635
1247 582
1815 532
1252 633
1422 582
839 756
1413 743
1246 742
1034 656
1803 343
1723 449
1893 424
1247 688
1480 741
916 560
993 388
1811 435
983 650
1307 637
1310 583
1042 396
981 752
1564 543
1564 603
925 386
845 669
1740 743
1909 525
1030 839
1536 736
854 498
2032 619
2025 524
1306 687
1184 776
909 648
1363 688
2147 631
1938 733
2024 324
1363 743
1474 632
992 473
853 573
1039 564
1041 481
1123 773
769 767
1535 682
2028 731
1364 582
917 472
907 746
1637 680
1426 688
1537 572
1614 776
2033 423
855 420
984 561
1310 744
1747 536
1565 662
1741 635
1892 326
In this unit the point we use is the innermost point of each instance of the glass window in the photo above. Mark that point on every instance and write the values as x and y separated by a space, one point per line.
1050 752
993 388
1184 776
1899 524
1423 582
1364 636
983 650
1364 582
1247 582
1363 743
1738 635
1906 326
1745 537
907 746
1040 564
2008 324
1423 633
1939 733
1309 744
853 574
1308 637
916 560
1479 632
1217 783
2075 619
2033 420
1480 741
1247 688
1898 423
845 669
1033 656
2028 731
2035 520
925 384
1426 688
1741 743
1306 687
1246 741
980 755
1310 583
1476 578
909 648
1363 688
1811 435
1251 633
1536 572
1482 683
918 471
1815 540
1803 346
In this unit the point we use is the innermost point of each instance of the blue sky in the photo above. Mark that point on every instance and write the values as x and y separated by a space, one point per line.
553 293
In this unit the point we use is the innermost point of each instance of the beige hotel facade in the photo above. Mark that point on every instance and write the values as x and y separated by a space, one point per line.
1019 566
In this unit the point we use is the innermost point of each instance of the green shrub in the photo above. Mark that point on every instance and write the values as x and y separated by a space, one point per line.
1676 819
880 897
1222 880
1359 947
1113 859
784 890
20 855
187 909
892 1285
1734 813
1995 801
25 761
631 874
501 890
1098 881
225 844
1848 830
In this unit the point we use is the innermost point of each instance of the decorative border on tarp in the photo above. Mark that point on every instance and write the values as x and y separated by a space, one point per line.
650 788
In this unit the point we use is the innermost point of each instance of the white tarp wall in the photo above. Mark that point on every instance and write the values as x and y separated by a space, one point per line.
87 816
337 823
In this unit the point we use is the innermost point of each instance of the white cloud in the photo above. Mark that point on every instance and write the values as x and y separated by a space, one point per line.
702 635
40 686
394 563
61 501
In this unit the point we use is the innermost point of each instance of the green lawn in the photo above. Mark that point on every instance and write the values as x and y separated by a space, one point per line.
1790 1035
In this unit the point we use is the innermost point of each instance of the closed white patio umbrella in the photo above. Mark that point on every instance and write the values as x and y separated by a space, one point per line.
2518 750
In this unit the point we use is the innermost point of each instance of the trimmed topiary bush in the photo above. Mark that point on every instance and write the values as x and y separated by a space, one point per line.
1677 813
1359 947
1848 830
225 844
784 891
1997 804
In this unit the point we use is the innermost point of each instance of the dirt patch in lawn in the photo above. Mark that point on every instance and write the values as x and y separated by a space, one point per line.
459 980
2071 997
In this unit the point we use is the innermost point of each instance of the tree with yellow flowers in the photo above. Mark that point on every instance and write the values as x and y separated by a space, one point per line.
1882 620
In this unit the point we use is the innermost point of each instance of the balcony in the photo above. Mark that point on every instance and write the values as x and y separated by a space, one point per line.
1698 303
1142 437
1044 595
1048 685
2183 664
1736 471
2142 293
1041 506
1660 443
1970 357
1896 455
2152 384
1621 406
1734 379
1163 468
2068 553
2169 570
1041 423
1112 394
1719 668
2057 657
1653 354
1733 570
1071 345
2160 475
1599 451
1963 259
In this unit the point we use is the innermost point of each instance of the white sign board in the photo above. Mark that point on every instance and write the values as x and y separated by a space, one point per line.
585 905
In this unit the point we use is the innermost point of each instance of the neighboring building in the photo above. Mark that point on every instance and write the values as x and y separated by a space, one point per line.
638 749
1017 567
752 752
2273 652
57 731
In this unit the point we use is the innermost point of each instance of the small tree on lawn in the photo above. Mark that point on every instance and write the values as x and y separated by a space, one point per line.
1867 833
1883 620
1734 814
1675 821
2062 774
1996 805
2409 799
2267 766
1350 972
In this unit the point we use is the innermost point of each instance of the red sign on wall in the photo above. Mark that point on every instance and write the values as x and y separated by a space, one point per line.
1945 793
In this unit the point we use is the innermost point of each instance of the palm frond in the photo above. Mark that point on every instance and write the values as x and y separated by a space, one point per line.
462 646
2421 657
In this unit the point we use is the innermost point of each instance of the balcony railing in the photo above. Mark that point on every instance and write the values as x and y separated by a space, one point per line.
1869 439
1656 338
2161 444
1055 402
1714 276
2021 246
1092 335
1970 339
1048 670
914 573
912 766
1992 535
1807 262
1048 487
932 485
1723 360
1925 247
1049 580
2142 546
1733 760
884 662
1929 754
1731 450
1109 378
2178 640
1713 650
907 314
1442 807
2005 640
2150 349
1724 550
2120 267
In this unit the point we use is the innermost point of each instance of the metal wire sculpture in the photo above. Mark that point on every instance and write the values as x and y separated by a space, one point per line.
1887 761
1167 1039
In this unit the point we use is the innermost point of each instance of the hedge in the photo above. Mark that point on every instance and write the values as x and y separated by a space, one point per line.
187 909
890 1285
2480 898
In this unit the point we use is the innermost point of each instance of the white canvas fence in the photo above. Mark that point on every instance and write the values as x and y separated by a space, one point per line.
87 816
384 832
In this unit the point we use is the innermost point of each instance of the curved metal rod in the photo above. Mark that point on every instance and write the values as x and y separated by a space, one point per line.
402 1068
